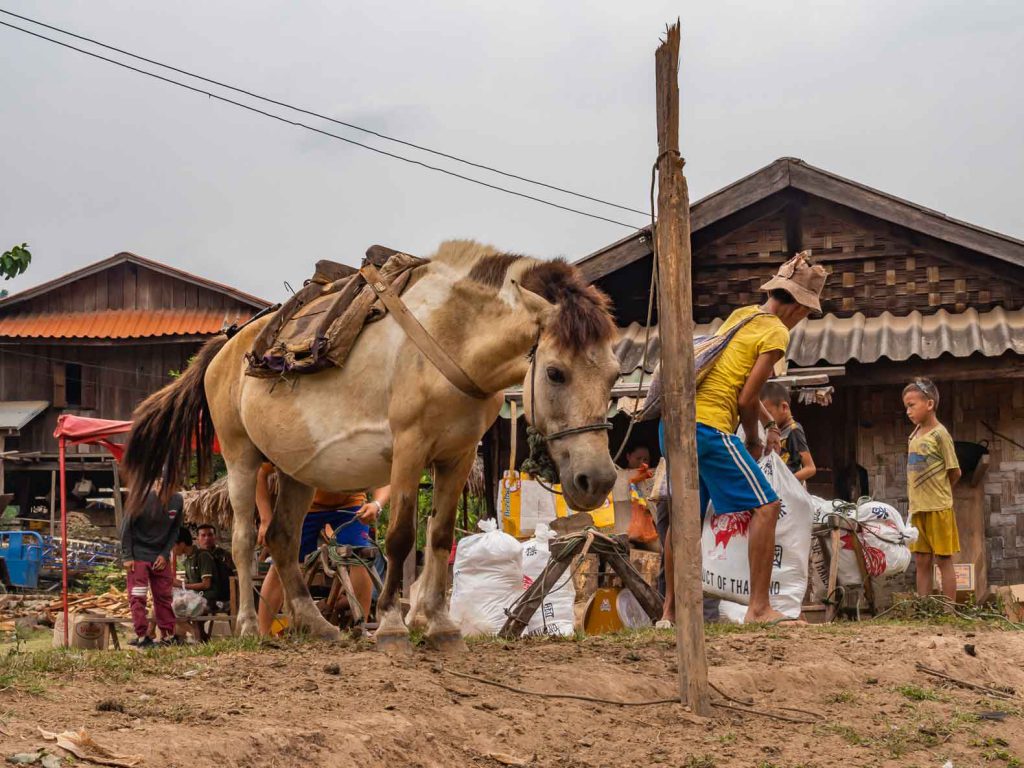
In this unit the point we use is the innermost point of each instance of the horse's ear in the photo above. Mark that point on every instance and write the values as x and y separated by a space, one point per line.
540 308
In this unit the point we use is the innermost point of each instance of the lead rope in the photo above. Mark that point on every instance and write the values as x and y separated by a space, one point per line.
652 297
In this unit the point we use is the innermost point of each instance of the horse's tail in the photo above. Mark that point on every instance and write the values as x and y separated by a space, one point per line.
169 428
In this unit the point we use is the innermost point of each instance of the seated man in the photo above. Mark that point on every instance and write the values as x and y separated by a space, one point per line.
199 572
223 568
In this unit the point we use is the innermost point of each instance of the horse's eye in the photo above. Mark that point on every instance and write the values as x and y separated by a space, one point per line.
555 376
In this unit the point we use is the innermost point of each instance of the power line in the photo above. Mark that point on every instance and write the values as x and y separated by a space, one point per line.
319 130
323 117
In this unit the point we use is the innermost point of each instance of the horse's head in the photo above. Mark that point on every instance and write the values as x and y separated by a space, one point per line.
567 389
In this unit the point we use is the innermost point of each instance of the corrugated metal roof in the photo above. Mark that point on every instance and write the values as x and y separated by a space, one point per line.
866 339
15 414
837 341
116 323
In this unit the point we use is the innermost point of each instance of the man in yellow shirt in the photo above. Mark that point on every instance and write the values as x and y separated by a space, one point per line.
728 397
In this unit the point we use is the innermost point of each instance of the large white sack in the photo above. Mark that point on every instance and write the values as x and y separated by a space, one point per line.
488 578
884 537
725 567
555 615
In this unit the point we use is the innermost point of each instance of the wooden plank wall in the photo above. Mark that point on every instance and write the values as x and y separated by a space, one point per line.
123 375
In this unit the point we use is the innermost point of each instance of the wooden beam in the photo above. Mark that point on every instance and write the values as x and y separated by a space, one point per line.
747 191
118 502
973 368
675 305
795 222
616 256
53 503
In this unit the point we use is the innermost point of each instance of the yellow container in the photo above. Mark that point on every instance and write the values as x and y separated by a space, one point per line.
523 502
604 516
602 614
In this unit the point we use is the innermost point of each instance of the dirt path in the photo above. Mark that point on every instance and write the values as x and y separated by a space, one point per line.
304 704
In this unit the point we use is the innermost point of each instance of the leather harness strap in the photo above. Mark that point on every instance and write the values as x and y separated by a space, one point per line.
419 336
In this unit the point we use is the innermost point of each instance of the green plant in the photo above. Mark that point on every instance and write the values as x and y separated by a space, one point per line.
101 578
15 261
468 512
699 761
917 693
847 734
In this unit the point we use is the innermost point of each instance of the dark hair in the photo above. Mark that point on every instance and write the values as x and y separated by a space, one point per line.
781 295
775 393
634 446
211 526
925 386
185 536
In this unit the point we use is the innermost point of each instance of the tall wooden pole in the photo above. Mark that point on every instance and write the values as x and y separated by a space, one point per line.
675 318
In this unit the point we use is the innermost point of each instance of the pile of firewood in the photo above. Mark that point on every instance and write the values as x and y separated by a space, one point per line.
45 609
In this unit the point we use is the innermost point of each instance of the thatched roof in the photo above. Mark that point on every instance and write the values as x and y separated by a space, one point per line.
211 505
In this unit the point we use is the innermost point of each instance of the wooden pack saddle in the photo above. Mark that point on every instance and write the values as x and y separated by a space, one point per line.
317 327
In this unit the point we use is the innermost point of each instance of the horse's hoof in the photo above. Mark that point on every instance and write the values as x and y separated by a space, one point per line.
393 643
447 642
324 630
247 628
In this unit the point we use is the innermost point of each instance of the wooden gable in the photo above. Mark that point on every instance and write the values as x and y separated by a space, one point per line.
125 284
872 269
885 254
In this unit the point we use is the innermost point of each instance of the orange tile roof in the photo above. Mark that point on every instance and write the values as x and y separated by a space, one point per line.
117 323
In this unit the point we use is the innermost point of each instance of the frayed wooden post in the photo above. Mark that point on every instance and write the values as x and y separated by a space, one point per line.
675 312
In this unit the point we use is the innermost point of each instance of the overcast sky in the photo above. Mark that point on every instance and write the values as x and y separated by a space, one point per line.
919 99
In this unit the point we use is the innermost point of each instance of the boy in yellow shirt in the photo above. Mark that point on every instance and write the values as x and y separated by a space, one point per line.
932 471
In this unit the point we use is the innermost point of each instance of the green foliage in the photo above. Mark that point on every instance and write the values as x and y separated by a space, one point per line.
15 261
102 578
466 517
917 693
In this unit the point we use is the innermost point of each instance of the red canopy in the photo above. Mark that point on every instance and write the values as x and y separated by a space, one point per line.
80 429
75 430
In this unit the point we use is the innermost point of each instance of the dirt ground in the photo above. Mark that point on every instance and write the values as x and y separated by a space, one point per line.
298 703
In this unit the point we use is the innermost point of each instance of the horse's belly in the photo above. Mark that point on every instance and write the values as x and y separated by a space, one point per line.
319 433
349 462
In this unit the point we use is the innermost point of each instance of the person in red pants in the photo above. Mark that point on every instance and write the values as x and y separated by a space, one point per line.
146 542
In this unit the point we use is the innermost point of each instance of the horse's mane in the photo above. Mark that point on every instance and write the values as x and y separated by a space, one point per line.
584 311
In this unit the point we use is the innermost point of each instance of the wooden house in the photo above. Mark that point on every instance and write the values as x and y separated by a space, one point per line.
94 342
912 292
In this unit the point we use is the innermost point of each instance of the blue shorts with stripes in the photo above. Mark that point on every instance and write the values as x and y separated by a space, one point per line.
729 476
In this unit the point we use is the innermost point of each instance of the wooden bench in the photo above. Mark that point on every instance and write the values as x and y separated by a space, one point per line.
109 623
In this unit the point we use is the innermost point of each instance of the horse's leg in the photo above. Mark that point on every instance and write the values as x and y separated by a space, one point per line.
243 464
406 467
293 499
449 480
